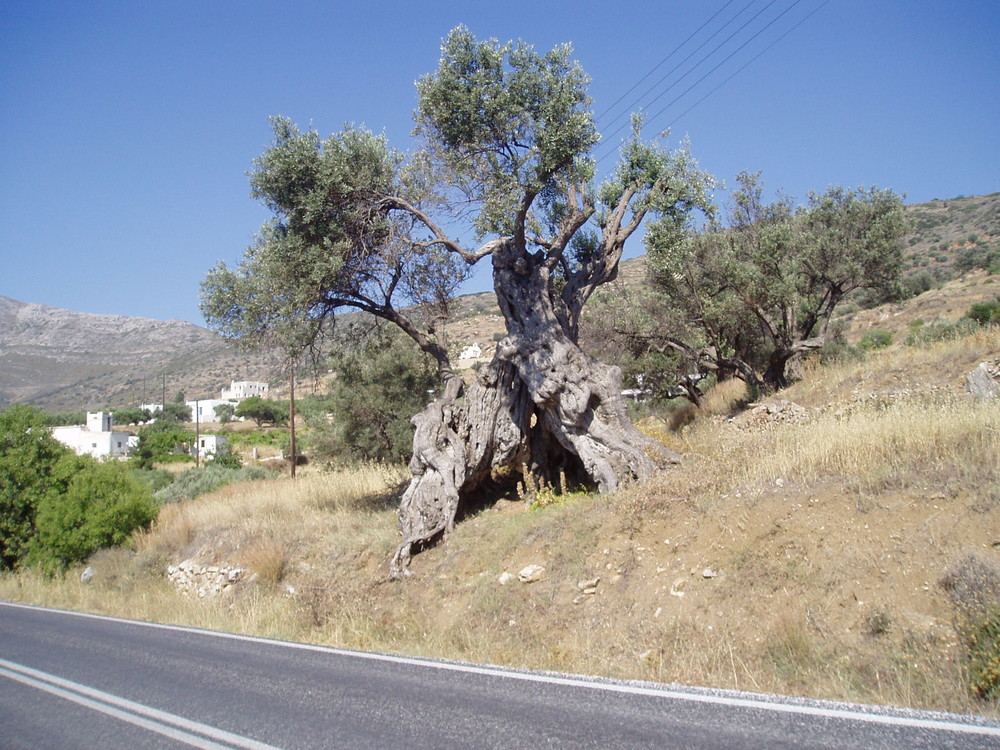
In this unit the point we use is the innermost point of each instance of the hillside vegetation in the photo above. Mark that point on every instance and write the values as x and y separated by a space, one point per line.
838 541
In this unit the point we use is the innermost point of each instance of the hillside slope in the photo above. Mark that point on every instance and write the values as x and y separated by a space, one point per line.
823 543
72 361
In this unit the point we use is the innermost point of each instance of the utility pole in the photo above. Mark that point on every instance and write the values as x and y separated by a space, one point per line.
291 420
197 434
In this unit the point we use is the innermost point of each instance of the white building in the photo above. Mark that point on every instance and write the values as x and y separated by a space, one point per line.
209 445
238 390
96 438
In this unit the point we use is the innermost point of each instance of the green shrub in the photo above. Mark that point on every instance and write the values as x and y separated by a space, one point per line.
28 456
194 482
984 313
101 505
876 338
157 479
918 283
226 460
984 656
938 330
973 584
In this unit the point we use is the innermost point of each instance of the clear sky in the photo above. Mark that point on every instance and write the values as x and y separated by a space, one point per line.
127 128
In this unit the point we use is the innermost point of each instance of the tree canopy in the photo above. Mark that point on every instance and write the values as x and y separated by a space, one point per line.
745 297
503 151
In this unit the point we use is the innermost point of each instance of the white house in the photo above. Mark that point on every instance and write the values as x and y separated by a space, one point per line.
95 438
239 390
473 351
209 445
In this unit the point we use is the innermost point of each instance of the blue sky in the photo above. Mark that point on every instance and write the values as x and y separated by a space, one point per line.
128 127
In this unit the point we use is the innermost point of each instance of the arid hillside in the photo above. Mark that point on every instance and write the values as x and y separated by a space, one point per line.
836 541
70 361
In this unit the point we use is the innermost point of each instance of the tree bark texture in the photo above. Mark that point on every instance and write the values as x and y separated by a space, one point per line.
542 405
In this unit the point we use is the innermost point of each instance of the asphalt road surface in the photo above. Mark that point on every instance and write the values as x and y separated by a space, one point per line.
72 680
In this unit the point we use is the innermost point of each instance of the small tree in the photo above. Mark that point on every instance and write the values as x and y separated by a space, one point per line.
261 410
160 441
747 298
225 413
130 415
92 506
175 413
380 381
28 457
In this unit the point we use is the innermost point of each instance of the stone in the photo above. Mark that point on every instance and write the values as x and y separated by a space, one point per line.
86 575
531 573
591 584
505 578
709 573
984 381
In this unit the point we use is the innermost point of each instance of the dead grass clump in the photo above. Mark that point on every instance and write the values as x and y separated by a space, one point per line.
895 445
973 584
267 558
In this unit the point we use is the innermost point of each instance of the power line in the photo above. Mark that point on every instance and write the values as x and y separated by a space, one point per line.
692 54
661 62
748 63
717 47
726 59
716 67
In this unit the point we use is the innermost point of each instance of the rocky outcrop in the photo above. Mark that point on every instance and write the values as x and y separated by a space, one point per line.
984 381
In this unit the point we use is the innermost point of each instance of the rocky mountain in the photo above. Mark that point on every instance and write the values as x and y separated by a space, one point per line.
71 361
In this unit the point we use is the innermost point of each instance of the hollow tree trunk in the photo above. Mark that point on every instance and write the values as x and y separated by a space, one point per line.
542 403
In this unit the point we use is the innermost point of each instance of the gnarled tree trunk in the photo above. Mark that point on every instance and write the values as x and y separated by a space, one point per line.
542 404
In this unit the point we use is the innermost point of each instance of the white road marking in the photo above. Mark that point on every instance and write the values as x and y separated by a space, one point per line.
943 722
170 725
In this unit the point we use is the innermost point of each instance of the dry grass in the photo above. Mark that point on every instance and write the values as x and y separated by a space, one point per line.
826 542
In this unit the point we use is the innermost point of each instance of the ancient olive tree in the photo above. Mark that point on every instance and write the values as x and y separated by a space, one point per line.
504 136
746 297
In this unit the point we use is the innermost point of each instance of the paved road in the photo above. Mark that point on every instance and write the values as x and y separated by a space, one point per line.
70 680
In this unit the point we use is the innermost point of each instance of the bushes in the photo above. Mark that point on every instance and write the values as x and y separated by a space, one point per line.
924 334
193 482
92 505
973 583
56 508
985 313
876 338
28 455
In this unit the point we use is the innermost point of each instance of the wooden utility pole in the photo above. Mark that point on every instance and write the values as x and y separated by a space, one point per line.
291 420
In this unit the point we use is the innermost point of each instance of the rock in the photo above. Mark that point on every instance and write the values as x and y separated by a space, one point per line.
192 579
505 578
709 573
86 575
591 584
676 586
531 573
984 381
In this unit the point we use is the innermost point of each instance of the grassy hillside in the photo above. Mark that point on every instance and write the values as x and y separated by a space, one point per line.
826 543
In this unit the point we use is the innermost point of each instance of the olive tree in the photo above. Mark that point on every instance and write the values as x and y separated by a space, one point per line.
746 297
503 155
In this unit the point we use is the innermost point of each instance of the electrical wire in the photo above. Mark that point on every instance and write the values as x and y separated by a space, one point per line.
748 63
664 60
760 31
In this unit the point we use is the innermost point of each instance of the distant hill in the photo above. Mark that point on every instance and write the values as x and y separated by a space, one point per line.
70 361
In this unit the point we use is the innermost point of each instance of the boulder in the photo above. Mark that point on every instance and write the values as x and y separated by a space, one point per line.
984 381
